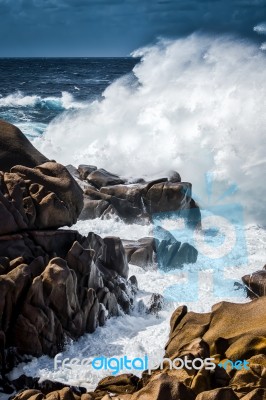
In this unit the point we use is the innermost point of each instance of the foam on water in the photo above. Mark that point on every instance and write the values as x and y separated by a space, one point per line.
139 334
18 99
197 104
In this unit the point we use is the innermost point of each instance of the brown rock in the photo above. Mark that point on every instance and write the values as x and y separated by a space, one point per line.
16 149
125 383
164 387
85 170
218 394
257 394
30 394
256 283
140 252
101 177
59 197
42 197
58 284
115 257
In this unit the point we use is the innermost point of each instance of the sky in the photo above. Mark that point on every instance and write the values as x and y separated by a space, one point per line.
35 28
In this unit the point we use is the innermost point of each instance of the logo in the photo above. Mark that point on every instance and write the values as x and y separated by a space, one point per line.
220 245
125 363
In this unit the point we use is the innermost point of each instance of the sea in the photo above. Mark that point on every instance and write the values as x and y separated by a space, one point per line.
195 105
36 90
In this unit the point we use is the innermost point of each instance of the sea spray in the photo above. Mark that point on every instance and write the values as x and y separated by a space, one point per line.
198 106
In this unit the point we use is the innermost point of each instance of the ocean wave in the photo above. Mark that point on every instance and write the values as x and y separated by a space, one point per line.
32 129
199 108
18 99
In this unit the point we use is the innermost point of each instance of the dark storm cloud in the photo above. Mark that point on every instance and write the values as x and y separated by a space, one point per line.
116 27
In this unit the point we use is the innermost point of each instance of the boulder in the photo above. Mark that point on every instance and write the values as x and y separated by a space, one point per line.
163 250
174 176
165 197
156 304
137 200
93 208
124 383
57 194
140 252
101 177
175 255
229 332
256 283
218 394
42 197
16 149
256 394
58 285
115 256
85 170
163 387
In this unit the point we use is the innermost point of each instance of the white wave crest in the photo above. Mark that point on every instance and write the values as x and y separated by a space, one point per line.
18 99
199 106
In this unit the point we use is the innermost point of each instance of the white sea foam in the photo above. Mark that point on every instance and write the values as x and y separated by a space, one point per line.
139 334
199 106
18 99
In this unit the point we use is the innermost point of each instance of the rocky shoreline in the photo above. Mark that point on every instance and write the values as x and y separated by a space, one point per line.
56 284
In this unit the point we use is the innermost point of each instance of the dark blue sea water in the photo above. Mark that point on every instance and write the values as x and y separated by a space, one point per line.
33 91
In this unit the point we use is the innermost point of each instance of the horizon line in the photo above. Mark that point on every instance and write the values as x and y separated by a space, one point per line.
7 57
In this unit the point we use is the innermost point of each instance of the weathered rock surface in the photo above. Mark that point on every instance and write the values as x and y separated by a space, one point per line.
163 250
256 283
229 332
135 202
56 285
16 149
100 178
42 197
141 252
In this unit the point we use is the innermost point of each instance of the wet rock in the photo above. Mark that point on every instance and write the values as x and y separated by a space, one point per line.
93 208
174 177
175 255
140 252
163 250
140 200
162 234
55 285
63 286
85 170
73 171
256 283
167 197
230 331
134 283
101 177
155 304
125 210
115 256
